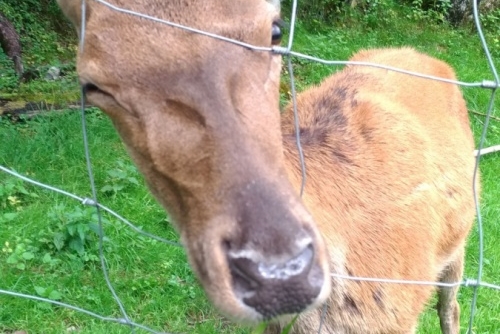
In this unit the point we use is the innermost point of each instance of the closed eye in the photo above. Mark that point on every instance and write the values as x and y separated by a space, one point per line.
90 88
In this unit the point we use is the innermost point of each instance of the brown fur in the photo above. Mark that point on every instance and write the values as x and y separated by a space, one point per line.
389 159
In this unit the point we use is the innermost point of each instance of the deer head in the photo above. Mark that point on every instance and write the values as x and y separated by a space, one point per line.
200 118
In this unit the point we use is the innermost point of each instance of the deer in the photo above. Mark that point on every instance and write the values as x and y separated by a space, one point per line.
389 164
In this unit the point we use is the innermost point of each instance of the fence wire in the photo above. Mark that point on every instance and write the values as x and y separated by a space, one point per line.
491 84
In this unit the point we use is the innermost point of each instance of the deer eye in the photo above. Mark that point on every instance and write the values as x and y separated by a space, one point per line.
90 88
276 33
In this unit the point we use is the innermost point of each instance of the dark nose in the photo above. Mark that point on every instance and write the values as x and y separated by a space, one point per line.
275 288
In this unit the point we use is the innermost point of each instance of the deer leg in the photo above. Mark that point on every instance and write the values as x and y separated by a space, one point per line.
447 306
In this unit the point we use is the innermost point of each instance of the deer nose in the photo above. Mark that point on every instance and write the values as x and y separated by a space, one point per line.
275 288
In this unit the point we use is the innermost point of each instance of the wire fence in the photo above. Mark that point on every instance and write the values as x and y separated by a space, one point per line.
287 52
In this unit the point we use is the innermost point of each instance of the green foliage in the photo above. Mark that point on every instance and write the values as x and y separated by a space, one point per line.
320 14
123 176
42 28
47 39
8 77
13 194
48 292
435 10
375 13
13 197
491 20
74 231
20 254
316 10
491 25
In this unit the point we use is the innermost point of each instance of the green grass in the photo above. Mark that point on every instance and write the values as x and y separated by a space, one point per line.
154 280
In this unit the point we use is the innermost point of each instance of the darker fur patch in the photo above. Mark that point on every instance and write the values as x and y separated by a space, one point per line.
354 103
313 135
341 93
350 305
366 132
377 297
329 123
341 157
330 111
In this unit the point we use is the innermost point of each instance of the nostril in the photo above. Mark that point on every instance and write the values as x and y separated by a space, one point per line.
293 267
244 272
252 273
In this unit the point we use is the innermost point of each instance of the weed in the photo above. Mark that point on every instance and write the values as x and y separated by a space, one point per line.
123 176
48 292
491 24
9 80
437 11
13 195
7 217
21 253
73 231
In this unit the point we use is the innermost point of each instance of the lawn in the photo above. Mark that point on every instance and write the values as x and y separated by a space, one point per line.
49 245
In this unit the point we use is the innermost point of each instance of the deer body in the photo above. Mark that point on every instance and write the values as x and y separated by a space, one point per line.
389 172
389 164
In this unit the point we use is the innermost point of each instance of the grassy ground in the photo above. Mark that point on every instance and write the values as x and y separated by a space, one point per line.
49 248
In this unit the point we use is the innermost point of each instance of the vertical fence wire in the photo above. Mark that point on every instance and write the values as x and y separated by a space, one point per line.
288 53
90 172
491 64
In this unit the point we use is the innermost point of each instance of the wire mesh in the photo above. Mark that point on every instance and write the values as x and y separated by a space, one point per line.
288 53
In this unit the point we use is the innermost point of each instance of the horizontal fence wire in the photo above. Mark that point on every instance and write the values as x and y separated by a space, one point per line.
492 84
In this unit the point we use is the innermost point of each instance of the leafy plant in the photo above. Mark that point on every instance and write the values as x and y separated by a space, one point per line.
316 10
434 10
8 77
120 178
38 23
491 25
21 253
7 217
73 230
13 194
48 292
